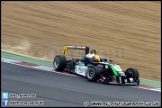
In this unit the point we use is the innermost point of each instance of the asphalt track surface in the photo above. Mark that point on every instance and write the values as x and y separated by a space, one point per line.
63 90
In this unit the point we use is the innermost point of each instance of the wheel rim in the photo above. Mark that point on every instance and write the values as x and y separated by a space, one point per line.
91 73
131 75
56 62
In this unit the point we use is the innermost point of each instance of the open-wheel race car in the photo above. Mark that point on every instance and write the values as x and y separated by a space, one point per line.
103 71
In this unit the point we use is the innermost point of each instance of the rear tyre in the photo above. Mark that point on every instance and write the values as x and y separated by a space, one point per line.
92 74
59 63
132 73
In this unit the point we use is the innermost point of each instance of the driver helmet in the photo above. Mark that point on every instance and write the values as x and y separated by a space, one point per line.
96 58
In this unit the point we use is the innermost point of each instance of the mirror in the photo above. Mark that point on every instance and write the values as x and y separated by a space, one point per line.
111 60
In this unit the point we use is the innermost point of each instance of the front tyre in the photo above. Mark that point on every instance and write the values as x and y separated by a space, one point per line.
59 63
132 73
92 74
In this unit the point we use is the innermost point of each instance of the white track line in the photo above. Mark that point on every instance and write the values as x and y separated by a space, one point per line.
48 69
154 89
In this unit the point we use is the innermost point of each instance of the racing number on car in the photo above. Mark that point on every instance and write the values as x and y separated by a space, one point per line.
80 69
76 68
83 69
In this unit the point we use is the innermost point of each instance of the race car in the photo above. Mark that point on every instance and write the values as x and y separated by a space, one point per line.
103 71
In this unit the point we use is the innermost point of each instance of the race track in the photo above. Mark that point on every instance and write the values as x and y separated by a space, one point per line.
63 90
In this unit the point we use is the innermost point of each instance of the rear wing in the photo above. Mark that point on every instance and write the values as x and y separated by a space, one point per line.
66 47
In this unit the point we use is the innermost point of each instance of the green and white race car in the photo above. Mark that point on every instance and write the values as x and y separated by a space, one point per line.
103 71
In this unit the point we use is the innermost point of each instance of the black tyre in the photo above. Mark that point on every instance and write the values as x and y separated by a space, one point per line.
132 73
93 73
59 63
